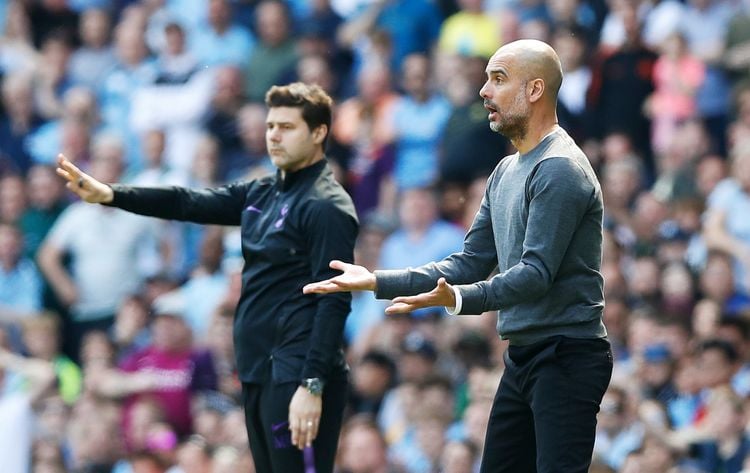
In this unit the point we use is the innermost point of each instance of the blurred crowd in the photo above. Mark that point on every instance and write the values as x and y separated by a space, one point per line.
116 330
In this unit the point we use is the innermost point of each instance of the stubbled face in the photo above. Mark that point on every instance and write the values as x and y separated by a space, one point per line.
290 142
504 95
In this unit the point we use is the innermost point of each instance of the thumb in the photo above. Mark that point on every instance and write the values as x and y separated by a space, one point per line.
336 264
442 283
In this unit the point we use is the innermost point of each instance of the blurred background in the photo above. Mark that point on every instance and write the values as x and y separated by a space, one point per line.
115 330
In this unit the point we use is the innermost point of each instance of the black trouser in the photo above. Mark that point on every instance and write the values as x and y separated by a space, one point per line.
543 418
266 419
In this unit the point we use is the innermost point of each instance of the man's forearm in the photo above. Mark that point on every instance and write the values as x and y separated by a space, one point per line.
52 268
327 335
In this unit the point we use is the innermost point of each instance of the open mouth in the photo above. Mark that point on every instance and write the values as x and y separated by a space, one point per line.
490 108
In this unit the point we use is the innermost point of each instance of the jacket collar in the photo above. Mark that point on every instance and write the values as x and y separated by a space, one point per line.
289 179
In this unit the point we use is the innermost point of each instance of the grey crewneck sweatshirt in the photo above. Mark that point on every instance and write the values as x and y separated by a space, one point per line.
540 226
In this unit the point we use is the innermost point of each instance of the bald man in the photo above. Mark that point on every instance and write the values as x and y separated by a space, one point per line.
539 230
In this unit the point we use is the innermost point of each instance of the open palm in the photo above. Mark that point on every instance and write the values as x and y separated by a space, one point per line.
352 278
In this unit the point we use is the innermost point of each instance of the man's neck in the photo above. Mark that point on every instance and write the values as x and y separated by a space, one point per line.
535 135
315 159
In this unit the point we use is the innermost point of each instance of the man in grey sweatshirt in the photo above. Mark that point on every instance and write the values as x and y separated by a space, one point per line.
540 227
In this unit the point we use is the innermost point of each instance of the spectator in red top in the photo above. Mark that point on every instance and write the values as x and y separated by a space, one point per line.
169 370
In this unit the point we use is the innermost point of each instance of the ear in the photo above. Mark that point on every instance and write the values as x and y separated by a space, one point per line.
319 134
535 89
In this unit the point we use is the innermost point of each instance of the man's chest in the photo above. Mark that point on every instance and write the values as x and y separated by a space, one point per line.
272 227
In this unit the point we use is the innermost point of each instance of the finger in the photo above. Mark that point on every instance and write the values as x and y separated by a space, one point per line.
407 300
336 264
321 287
442 284
399 308
309 428
61 159
294 427
316 427
71 168
64 174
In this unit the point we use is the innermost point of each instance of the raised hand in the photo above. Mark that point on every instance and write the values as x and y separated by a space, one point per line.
353 278
442 295
81 184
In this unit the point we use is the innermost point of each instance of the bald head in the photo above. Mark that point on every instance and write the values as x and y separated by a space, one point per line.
534 59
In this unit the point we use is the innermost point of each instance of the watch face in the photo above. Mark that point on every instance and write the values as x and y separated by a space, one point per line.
314 385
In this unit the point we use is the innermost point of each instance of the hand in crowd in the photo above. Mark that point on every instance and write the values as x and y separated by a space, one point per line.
67 293
353 278
304 417
83 185
442 295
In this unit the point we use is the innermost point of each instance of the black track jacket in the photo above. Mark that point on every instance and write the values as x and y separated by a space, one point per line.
291 228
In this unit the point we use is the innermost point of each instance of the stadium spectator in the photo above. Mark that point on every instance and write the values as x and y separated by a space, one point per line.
20 281
90 63
93 287
18 122
221 41
275 55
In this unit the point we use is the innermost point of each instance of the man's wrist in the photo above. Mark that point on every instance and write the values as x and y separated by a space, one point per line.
313 386
109 194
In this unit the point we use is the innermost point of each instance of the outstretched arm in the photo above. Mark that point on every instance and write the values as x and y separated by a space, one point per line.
474 263
218 206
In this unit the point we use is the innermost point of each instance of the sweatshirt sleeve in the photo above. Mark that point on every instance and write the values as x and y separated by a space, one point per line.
475 262
331 234
216 206
559 194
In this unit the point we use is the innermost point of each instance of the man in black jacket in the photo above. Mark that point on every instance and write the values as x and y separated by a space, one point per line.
287 344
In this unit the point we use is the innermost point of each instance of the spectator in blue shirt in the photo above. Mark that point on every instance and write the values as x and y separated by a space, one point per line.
221 42
412 25
419 120
20 285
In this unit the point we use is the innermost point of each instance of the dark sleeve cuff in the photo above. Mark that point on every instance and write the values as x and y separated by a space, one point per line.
118 190
390 283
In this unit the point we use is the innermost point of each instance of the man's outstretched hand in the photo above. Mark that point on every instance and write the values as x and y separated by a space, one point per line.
81 184
352 278
442 295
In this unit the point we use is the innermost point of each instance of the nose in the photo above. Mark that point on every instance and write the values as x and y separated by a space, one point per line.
483 91
272 134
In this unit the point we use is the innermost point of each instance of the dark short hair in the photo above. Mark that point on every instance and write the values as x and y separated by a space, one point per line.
315 103
722 346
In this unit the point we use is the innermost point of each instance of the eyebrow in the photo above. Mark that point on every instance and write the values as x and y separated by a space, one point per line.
498 72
